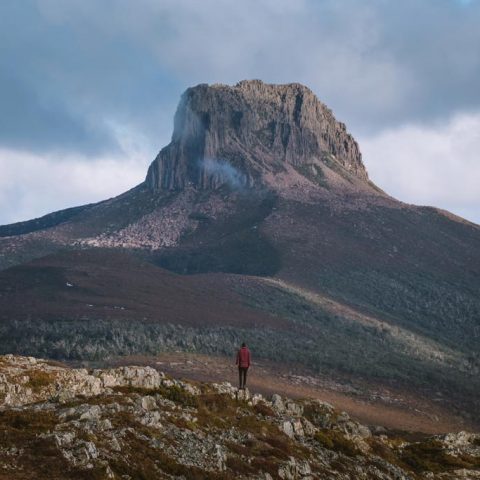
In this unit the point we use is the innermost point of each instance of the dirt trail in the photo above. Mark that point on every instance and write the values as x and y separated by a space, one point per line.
375 405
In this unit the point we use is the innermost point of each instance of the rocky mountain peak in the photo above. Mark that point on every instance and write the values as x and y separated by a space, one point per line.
238 134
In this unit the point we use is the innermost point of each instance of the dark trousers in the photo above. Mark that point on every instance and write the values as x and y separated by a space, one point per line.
242 376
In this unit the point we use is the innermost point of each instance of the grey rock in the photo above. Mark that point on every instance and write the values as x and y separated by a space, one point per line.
343 418
257 398
258 128
139 377
277 403
308 427
298 427
294 470
104 424
225 388
115 444
288 429
90 412
148 403
151 419
293 408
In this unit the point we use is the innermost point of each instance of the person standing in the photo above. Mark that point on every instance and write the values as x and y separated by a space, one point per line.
243 362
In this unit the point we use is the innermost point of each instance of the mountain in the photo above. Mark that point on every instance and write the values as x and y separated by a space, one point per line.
246 134
136 422
257 222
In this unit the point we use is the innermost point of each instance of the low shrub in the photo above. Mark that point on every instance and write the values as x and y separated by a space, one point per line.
263 410
29 420
335 440
431 456
39 379
239 466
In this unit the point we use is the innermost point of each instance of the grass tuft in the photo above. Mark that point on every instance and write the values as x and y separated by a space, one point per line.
39 379
335 440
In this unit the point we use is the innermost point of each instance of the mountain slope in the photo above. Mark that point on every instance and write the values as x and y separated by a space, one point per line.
135 422
99 303
262 195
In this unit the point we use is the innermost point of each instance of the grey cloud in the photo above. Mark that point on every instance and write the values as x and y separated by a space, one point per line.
32 185
69 67
435 165
63 80
30 122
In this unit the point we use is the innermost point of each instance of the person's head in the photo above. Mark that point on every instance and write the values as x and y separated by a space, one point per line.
244 344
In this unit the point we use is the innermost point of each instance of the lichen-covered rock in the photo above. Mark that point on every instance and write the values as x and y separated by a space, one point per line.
308 427
277 403
225 388
294 470
257 398
139 377
148 402
26 380
293 408
287 428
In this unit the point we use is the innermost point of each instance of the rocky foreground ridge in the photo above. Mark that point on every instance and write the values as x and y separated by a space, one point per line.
137 423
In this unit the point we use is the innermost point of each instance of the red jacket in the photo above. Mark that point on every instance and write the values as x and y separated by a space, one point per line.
243 357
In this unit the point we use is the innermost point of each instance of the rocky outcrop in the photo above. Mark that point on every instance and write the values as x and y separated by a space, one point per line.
135 422
237 135
26 380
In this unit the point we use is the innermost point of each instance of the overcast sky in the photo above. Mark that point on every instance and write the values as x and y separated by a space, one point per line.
88 88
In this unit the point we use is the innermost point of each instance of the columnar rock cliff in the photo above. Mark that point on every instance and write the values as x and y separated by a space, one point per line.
236 134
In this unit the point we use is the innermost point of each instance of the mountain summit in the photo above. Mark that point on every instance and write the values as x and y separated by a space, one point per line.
243 134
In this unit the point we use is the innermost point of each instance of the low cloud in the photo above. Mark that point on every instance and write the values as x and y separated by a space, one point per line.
435 165
32 185
231 175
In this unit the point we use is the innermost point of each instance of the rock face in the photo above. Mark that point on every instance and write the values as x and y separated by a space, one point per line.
25 380
236 135
134 422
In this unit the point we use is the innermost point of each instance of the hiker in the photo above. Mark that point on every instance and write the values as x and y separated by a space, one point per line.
243 362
